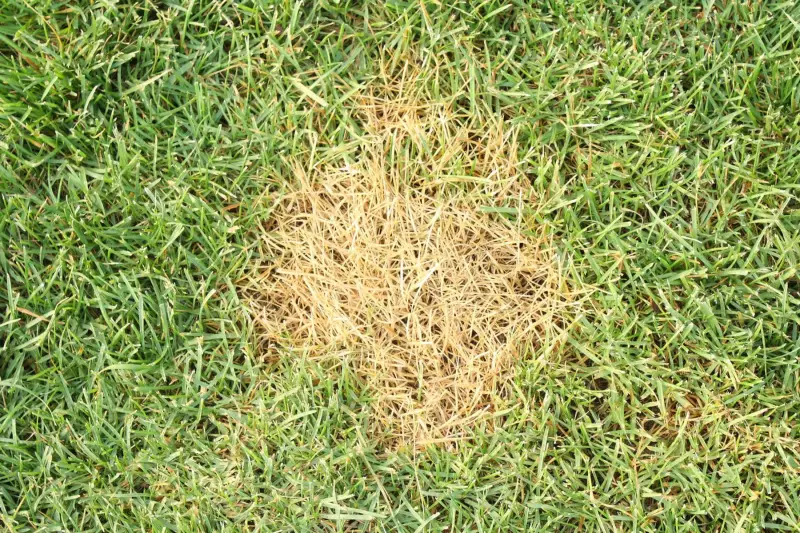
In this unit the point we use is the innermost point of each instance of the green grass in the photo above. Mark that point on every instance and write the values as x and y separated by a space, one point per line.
139 142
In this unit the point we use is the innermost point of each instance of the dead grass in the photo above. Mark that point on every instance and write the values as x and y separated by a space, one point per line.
388 262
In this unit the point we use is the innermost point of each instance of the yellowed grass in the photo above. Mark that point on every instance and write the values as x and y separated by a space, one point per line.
388 261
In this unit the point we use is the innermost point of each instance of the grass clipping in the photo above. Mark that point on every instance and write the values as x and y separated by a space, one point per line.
393 264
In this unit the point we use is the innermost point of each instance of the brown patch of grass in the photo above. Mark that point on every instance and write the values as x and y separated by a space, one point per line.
387 261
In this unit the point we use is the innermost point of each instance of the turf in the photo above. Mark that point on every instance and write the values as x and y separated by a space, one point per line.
390 265
141 143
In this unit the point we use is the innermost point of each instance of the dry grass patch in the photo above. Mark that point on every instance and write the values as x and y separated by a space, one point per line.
389 262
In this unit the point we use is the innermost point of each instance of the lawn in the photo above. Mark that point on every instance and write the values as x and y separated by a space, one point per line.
145 148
